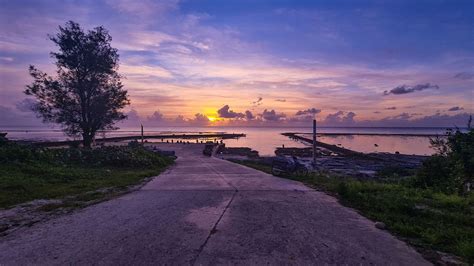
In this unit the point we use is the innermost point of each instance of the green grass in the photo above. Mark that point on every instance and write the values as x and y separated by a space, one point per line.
25 182
426 219
55 174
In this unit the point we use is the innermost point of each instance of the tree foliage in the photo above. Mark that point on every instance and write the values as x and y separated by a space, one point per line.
87 95
451 169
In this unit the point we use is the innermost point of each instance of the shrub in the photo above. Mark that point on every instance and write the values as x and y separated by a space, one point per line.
134 144
114 156
435 173
342 189
451 169
393 171
13 152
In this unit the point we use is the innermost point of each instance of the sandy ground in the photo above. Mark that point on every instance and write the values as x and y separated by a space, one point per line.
209 211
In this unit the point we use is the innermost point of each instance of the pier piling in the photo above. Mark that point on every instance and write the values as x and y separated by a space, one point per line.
314 142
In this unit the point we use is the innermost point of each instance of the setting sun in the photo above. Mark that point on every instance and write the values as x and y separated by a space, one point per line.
211 118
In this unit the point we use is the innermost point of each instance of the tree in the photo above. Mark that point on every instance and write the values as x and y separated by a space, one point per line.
87 94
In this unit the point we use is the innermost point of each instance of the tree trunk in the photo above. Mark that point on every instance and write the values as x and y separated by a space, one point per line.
87 140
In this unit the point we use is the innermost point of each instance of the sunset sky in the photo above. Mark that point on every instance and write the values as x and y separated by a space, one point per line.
357 63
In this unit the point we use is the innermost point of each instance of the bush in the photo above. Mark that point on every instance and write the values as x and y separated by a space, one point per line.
13 152
435 174
394 171
451 169
134 144
342 189
115 156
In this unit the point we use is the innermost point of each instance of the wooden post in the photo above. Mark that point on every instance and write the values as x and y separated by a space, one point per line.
314 142
142 133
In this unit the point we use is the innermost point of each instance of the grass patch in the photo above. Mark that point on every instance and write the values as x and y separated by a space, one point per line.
426 219
21 183
55 174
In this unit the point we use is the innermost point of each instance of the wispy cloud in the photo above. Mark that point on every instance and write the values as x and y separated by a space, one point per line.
143 7
455 108
310 111
257 102
464 75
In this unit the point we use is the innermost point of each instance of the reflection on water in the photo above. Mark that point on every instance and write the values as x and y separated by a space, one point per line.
265 140
392 144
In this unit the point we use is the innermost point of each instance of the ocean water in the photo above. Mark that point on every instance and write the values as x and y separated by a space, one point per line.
266 139
406 141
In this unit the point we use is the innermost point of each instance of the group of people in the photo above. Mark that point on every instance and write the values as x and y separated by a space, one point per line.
188 142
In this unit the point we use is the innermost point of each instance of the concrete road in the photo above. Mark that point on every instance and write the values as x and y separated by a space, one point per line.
209 211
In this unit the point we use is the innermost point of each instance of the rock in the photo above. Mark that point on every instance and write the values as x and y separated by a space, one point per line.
368 173
448 259
240 151
380 225
421 207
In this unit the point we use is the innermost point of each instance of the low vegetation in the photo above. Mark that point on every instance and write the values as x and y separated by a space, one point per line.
432 210
28 173
451 169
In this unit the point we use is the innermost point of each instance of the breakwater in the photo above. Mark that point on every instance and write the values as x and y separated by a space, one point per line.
206 136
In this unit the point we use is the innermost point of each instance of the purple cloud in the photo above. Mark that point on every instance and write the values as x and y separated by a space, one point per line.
225 112
402 116
272 115
404 89
249 115
455 108
464 75
339 118
156 117
311 111
258 101
200 119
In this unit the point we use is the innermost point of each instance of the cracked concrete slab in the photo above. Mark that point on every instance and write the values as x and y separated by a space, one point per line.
300 228
144 227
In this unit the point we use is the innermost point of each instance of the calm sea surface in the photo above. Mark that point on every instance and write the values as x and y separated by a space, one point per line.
265 140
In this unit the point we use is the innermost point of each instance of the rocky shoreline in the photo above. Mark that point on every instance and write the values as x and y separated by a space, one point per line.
335 160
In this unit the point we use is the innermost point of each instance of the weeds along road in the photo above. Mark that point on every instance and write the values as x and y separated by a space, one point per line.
209 211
